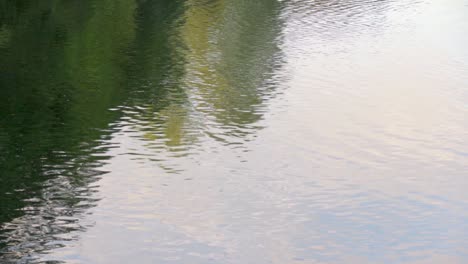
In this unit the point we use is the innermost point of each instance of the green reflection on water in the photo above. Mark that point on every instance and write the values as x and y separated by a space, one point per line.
187 70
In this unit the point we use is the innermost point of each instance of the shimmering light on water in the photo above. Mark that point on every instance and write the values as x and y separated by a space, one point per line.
233 131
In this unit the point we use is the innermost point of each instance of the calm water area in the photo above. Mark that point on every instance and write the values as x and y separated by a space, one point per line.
243 131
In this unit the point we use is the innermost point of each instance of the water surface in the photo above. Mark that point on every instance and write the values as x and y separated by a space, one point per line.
233 131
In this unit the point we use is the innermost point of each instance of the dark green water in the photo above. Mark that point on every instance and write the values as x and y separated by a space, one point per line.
233 131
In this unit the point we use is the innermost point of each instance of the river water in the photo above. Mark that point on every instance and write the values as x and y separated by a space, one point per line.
215 131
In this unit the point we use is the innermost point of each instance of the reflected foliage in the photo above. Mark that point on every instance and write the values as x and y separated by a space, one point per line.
75 73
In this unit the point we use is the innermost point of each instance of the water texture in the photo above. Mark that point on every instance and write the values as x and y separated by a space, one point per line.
215 131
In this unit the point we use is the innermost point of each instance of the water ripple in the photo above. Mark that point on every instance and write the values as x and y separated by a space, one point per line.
233 131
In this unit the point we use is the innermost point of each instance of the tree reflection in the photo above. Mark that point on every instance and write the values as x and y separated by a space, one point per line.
225 56
61 69
177 72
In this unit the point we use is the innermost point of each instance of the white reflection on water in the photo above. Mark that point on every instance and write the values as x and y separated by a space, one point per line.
361 160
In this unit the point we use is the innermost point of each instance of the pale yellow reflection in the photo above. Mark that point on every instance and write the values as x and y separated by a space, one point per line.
225 53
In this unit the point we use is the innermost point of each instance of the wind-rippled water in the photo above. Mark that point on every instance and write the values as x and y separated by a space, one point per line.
264 131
